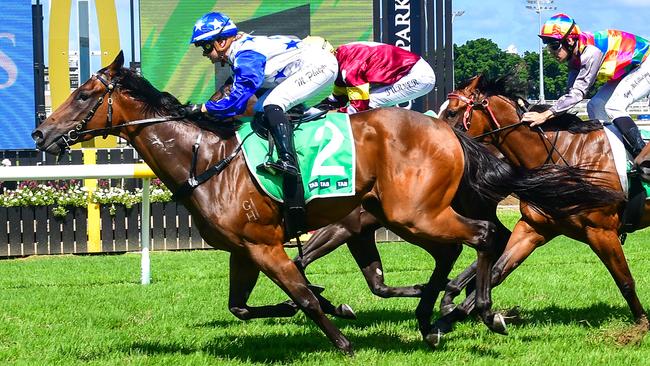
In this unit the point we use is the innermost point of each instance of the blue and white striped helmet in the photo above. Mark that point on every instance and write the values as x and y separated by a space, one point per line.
212 26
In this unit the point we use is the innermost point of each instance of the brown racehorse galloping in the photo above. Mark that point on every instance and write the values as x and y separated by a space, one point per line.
492 110
408 168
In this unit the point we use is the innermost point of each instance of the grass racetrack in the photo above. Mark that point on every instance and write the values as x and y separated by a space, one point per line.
92 310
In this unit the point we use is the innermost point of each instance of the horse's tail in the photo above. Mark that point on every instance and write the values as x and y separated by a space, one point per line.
558 191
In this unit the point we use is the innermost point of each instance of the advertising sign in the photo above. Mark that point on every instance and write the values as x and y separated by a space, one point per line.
173 65
17 104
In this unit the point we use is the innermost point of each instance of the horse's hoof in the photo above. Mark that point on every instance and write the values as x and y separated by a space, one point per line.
447 309
316 289
344 311
345 346
498 324
434 338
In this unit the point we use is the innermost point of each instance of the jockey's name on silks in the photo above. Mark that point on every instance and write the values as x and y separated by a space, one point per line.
326 156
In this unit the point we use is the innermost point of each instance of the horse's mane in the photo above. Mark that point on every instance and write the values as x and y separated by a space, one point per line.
513 88
508 85
567 122
159 103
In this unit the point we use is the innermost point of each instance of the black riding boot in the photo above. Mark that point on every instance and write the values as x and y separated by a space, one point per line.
287 164
632 136
282 133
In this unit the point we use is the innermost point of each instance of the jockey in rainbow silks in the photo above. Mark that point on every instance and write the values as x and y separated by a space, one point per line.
613 56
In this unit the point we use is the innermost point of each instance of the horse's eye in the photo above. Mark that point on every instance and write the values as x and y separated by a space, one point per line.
83 95
451 113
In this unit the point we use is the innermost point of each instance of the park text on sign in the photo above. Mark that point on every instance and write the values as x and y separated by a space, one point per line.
403 24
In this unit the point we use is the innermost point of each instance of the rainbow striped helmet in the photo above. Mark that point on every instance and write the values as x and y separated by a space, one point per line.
559 27
212 26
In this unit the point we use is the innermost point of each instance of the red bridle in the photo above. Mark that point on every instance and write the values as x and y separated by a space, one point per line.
471 104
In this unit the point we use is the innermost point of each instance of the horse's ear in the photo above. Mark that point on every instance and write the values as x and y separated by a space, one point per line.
474 83
117 64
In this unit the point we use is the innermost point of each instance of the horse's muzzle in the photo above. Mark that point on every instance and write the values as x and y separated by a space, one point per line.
54 146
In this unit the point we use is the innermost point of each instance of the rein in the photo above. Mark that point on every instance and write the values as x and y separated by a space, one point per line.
471 104
147 121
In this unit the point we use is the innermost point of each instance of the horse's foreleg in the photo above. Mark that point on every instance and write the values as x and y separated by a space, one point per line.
466 279
243 277
323 242
332 236
275 263
455 286
607 246
363 248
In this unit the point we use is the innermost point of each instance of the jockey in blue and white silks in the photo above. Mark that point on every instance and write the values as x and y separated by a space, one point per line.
291 69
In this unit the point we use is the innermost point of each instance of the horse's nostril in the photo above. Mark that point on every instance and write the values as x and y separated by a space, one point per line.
37 135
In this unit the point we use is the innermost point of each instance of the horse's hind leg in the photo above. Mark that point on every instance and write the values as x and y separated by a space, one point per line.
445 256
451 227
275 263
466 278
523 241
243 277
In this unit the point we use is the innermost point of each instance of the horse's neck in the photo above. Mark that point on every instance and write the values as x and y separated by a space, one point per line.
167 149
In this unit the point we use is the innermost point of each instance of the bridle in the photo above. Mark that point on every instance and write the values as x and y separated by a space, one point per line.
471 103
73 135
485 104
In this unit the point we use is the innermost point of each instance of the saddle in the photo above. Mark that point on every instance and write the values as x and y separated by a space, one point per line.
297 115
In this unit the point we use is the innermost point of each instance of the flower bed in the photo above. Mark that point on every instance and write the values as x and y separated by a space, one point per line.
71 193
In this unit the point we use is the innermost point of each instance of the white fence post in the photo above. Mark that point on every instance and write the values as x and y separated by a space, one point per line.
145 264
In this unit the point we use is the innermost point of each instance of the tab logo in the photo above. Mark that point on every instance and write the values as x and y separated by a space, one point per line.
313 185
325 183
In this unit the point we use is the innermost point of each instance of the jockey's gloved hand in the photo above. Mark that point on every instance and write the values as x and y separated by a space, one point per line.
192 110
329 104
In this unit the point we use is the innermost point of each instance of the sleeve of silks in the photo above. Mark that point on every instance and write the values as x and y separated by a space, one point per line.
590 61
248 76
359 97
340 93
357 88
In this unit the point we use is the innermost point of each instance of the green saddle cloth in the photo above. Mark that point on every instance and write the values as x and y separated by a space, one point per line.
326 157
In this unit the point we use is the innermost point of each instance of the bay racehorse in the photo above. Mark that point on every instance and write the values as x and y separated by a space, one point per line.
408 169
357 229
491 110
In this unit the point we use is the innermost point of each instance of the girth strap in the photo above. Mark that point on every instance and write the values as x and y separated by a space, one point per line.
194 181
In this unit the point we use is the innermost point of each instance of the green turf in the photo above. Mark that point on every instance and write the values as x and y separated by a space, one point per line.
92 310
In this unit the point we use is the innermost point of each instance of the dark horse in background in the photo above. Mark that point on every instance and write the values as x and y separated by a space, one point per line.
491 109
408 169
